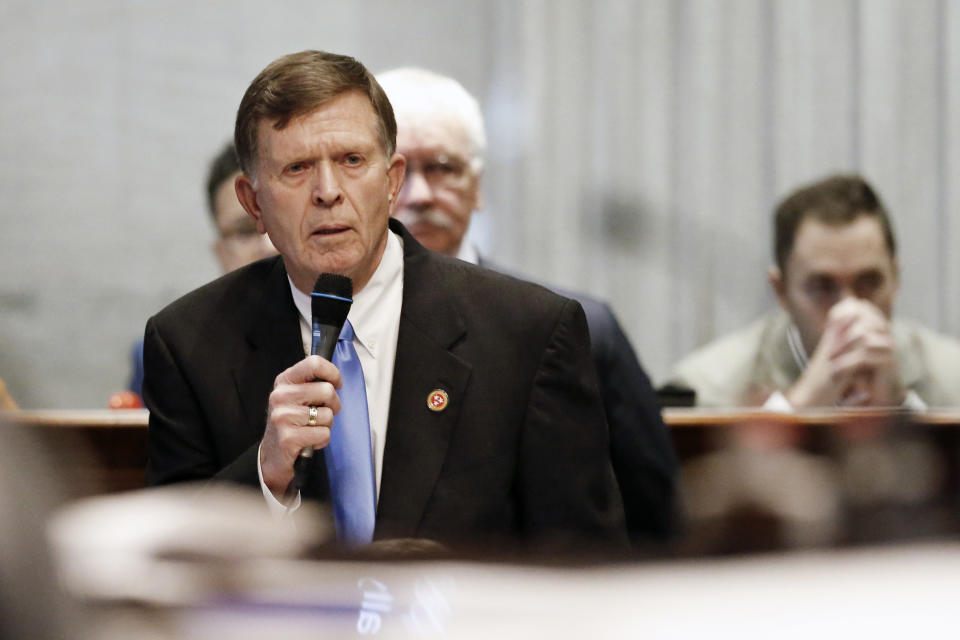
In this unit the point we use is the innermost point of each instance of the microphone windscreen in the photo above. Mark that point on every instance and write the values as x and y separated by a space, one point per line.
331 298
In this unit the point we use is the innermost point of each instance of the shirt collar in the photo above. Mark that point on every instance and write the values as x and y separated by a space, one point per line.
369 327
796 346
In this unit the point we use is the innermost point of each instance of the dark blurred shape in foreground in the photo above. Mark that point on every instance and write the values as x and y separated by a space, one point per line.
756 481
34 482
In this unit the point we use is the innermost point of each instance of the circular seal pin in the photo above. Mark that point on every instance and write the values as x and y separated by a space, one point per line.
437 400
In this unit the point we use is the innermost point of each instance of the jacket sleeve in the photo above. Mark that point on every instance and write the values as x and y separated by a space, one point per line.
569 494
180 442
642 453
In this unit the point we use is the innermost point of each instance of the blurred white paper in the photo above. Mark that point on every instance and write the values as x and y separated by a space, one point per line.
163 545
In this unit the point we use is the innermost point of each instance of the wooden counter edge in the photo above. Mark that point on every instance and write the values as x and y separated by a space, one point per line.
88 418
673 417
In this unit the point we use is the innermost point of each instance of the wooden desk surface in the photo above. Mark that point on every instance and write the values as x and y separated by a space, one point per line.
697 417
674 417
116 439
105 450
80 418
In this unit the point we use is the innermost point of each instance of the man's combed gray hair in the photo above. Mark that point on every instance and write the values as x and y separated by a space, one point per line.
417 90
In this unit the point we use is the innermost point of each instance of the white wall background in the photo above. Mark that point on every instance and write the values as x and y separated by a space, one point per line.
637 150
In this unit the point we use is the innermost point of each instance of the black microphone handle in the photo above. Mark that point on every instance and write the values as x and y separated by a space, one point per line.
324 339
323 343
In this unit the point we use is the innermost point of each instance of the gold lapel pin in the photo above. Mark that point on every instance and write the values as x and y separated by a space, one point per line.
437 400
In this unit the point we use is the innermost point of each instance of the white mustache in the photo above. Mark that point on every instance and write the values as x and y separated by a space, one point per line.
432 217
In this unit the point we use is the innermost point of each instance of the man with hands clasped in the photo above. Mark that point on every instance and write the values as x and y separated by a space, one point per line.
834 342
854 364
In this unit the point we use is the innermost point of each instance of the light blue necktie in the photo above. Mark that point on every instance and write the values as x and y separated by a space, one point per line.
348 456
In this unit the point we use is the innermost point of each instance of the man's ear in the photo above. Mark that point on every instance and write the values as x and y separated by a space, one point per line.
395 176
778 282
247 195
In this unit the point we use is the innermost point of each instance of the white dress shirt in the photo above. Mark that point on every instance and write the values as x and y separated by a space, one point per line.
375 316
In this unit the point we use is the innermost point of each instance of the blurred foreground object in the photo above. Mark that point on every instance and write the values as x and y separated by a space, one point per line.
105 450
765 481
165 545
192 566
31 485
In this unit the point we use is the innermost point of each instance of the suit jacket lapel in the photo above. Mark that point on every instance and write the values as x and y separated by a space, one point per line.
417 437
273 337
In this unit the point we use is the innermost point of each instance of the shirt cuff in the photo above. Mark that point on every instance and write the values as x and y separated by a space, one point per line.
777 402
914 402
276 507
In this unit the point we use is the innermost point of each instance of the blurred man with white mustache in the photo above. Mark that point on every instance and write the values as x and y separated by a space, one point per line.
440 132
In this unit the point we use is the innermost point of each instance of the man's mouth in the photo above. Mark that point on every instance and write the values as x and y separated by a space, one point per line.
330 231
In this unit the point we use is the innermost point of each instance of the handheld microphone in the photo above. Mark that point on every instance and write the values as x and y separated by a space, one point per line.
330 303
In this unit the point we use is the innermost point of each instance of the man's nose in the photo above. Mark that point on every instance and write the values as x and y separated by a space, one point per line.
416 192
841 294
326 189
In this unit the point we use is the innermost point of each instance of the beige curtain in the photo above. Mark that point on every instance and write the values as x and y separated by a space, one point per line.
655 136
636 150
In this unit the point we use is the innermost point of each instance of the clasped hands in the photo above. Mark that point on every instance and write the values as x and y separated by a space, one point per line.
854 363
312 382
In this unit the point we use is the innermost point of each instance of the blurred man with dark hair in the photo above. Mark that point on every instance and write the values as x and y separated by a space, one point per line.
834 341
238 242
440 132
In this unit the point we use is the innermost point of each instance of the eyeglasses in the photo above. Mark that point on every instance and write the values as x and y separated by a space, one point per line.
242 232
441 169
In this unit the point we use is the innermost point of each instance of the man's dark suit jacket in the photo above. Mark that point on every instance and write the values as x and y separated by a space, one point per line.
643 458
640 446
520 455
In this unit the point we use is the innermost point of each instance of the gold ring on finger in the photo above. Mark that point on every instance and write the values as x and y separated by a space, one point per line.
312 420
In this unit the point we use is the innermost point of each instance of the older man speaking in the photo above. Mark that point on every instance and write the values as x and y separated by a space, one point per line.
484 425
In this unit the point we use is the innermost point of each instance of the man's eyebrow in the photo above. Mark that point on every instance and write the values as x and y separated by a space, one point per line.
870 273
